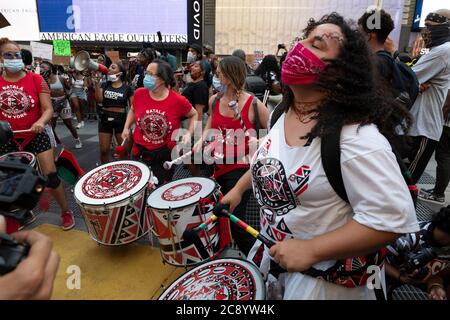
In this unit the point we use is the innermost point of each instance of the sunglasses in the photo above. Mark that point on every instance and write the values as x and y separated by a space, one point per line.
12 55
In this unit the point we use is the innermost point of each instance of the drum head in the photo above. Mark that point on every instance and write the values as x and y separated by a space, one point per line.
112 182
223 279
30 158
181 193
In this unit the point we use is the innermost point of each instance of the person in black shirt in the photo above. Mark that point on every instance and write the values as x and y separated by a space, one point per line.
197 91
115 96
377 35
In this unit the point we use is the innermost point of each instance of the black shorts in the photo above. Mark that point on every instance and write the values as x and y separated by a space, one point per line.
111 122
39 144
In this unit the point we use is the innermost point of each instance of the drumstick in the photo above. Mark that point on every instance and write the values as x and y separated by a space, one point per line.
22 131
169 164
222 210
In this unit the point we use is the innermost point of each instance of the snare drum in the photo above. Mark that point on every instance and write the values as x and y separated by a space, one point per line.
112 202
28 157
181 205
223 279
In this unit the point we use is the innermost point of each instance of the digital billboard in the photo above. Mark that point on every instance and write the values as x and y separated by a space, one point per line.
423 8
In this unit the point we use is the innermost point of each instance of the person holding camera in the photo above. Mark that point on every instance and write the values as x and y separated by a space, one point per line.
414 257
28 107
34 277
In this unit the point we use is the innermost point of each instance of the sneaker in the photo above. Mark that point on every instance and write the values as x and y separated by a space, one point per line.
78 144
426 191
68 222
30 217
80 125
431 197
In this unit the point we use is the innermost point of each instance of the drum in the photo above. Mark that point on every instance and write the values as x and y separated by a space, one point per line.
222 279
112 202
27 157
181 205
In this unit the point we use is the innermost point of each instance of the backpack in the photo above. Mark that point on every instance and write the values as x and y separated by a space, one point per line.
351 272
404 81
256 85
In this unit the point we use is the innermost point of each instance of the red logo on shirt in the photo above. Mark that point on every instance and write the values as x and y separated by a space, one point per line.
155 126
15 103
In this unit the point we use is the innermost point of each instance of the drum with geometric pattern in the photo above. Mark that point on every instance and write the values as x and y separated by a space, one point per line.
112 202
222 279
181 205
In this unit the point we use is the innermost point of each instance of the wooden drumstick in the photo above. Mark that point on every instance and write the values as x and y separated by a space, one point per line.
22 131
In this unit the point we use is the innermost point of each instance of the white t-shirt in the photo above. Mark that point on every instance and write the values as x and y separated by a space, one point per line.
434 69
298 202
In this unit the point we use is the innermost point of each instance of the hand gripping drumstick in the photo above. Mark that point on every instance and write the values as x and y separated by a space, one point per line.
120 151
169 164
190 236
221 210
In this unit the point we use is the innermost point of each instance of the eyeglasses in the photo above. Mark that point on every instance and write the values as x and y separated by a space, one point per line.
12 55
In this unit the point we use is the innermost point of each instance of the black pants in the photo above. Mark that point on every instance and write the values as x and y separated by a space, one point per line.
243 239
155 160
443 163
421 153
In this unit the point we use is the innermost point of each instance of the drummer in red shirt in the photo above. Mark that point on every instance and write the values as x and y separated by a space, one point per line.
25 103
157 112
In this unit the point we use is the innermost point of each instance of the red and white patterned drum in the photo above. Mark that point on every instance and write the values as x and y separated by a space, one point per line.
27 157
112 202
181 205
223 279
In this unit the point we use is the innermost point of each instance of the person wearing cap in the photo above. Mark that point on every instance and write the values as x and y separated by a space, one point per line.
195 53
433 72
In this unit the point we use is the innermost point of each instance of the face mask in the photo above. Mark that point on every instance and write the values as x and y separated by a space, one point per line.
191 57
301 67
45 74
216 84
114 77
150 82
13 65
434 36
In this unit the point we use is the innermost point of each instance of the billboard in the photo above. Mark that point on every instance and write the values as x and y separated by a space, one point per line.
113 20
21 20
423 8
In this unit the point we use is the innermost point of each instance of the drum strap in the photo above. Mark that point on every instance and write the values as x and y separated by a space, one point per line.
24 142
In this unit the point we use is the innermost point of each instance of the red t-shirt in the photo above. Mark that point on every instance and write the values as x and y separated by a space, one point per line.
19 102
157 120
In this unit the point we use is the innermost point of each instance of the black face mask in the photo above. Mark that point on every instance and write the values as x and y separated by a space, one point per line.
45 74
434 36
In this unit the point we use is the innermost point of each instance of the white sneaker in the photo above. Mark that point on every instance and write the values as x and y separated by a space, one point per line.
78 144
80 125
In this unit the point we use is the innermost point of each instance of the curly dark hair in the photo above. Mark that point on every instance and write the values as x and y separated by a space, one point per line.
354 95
386 24
441 219
269 63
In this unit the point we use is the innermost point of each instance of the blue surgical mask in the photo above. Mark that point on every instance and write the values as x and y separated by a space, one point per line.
150 82
13 65
216 83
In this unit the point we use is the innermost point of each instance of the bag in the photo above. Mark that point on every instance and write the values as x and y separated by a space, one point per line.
255 85
404 81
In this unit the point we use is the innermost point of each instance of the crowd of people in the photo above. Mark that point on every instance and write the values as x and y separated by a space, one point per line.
341 86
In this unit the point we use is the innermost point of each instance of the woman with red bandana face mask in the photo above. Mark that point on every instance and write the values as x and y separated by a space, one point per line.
329 90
